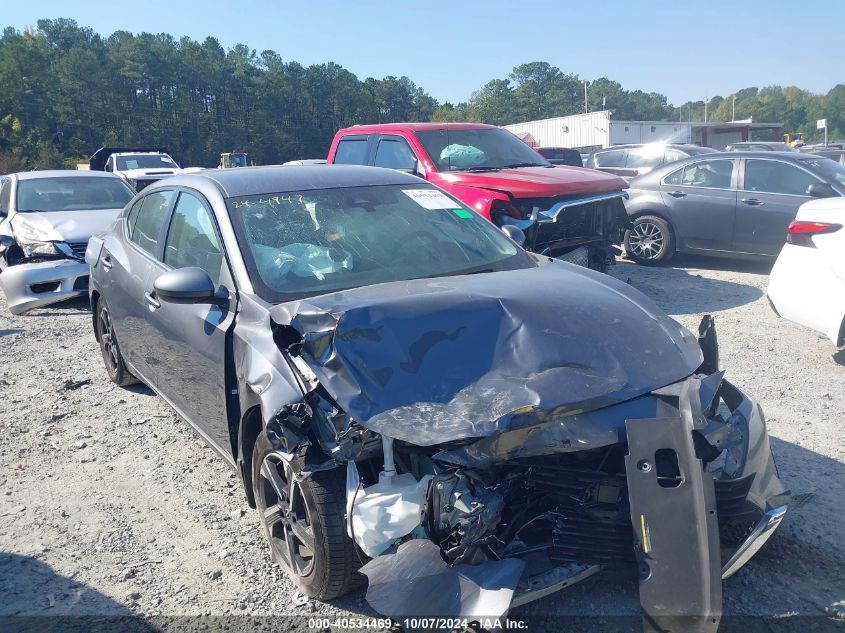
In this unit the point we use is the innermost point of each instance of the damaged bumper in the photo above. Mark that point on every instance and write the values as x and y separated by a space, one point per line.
687 497
30 286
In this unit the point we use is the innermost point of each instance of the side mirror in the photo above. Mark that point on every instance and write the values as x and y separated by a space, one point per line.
186 285
415 169
514 232
821 190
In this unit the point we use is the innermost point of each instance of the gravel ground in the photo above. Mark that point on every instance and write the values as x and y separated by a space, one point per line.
109 505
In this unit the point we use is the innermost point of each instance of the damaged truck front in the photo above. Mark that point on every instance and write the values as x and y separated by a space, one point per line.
494 452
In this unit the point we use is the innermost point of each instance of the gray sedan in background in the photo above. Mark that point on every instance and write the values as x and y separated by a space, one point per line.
734 204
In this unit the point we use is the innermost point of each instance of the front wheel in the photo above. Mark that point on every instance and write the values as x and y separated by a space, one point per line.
304 523
650 241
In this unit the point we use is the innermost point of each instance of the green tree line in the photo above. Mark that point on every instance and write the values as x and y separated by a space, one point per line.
66 90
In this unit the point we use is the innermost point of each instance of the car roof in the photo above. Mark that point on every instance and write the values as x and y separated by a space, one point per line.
415 127
62 173
247 181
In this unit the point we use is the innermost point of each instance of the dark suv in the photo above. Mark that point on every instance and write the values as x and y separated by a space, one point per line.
629 161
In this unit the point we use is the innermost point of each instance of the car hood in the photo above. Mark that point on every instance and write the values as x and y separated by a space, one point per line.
430 361
69 226
531 182
134 174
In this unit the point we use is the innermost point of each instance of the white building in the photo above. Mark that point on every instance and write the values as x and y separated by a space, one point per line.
596 130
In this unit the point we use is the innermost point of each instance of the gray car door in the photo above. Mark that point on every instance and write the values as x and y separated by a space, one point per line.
771 192
701 197
190 339
125 267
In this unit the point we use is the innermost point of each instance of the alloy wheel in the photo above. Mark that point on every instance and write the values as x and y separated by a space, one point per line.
111 355
286 516
647 240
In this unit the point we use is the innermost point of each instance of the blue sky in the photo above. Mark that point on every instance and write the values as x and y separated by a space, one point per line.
685 50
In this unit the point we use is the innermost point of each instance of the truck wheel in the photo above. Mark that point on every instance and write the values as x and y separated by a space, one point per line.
112 358
650 241
304 523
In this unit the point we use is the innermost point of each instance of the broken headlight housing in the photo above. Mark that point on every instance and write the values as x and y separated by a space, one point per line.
39 238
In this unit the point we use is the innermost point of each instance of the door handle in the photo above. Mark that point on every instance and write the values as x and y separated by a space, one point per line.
677 194
152 302
754 202
106 260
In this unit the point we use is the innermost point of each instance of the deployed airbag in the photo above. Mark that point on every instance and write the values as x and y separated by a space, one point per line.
416 582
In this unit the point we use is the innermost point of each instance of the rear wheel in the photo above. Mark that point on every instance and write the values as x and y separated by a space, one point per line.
304 523
112 358
650 241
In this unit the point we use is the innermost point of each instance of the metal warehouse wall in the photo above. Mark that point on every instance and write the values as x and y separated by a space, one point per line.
648 131
578 131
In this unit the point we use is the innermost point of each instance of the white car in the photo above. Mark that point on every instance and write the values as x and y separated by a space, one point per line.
46 219
807 284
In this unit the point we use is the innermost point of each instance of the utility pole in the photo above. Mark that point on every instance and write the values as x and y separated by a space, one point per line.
733 107
706 101
586 108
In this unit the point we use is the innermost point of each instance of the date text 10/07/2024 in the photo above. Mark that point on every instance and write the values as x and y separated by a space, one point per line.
433 624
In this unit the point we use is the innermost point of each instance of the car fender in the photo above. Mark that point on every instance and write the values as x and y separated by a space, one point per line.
642 202
479 200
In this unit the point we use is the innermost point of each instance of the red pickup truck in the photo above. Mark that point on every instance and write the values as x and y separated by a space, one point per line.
567 212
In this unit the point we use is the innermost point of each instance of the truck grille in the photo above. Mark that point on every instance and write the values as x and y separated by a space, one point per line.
78 248
144 182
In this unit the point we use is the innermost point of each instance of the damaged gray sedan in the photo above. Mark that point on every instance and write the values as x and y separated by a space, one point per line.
409 396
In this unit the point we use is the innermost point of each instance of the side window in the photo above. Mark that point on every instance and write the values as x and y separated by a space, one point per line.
5 197
395 154
352 151
615 158
675 178
771 176
644 157
150 219
192 239
711 174
133 215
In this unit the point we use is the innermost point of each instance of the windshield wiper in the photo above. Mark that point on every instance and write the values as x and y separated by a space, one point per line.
515 165
478 168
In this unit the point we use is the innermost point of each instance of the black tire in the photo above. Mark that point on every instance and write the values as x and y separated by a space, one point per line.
650 241
319 506
112 358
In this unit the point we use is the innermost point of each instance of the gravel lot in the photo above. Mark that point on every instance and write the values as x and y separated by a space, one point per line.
109 505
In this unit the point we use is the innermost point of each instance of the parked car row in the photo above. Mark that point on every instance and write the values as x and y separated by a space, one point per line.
336 333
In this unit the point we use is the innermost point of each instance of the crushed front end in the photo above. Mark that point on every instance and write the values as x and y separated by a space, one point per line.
505 486
583 230
43 273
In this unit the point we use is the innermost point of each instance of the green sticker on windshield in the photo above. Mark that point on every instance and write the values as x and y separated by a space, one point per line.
462 213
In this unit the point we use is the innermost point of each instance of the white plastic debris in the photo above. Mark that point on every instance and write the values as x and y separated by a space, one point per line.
384 512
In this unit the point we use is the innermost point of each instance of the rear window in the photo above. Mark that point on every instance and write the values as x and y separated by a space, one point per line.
351 151
150 220
72 193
